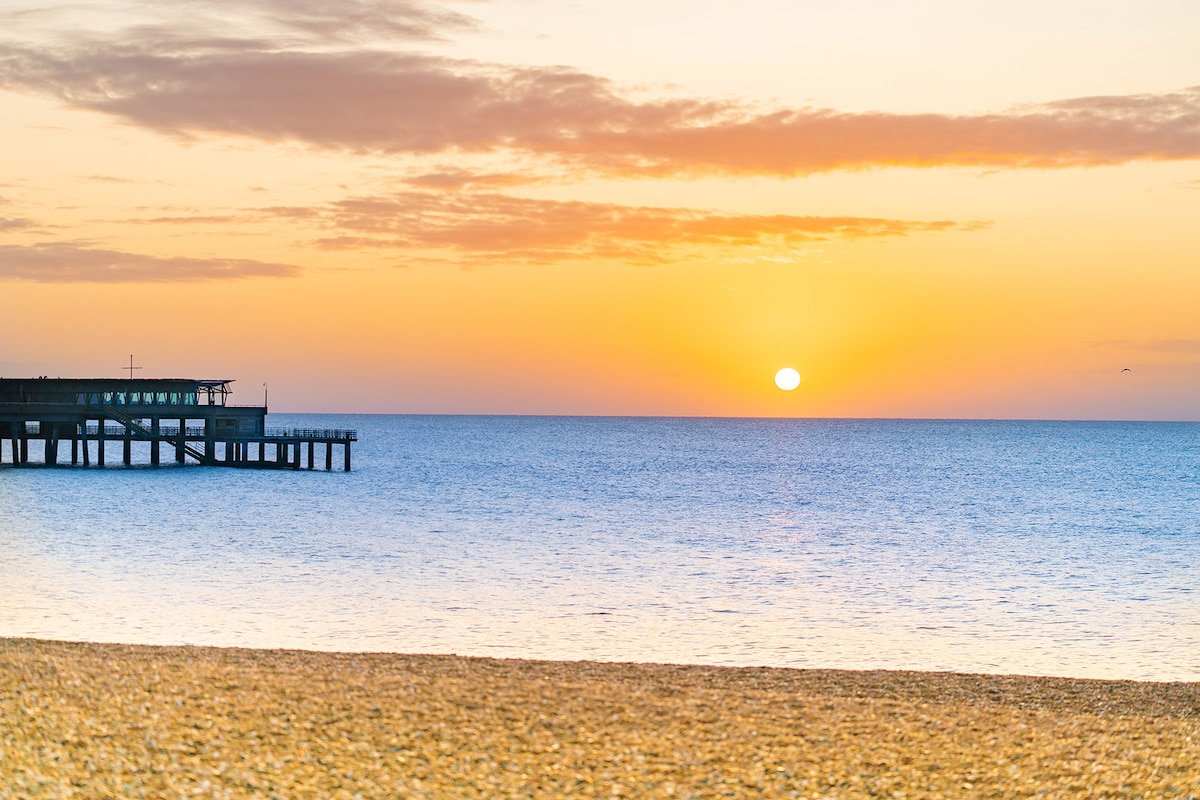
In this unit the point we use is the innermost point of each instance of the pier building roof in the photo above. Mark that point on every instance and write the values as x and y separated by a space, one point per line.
115 391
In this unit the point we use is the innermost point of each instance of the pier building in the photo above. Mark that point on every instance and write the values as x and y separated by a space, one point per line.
186 417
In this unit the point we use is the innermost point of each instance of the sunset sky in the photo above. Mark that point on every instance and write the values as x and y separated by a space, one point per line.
929 209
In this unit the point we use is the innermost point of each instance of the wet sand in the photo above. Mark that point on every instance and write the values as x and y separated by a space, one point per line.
91 720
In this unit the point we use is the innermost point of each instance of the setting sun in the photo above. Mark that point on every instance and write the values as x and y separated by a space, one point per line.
787 379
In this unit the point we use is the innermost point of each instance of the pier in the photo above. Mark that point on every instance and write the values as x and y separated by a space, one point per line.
99 420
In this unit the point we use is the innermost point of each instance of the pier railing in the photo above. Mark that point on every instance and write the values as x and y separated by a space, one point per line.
312 433
116 431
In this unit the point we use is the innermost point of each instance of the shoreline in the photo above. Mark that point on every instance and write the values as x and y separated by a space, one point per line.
95 720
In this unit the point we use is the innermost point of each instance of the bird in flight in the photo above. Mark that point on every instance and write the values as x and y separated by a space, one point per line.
1127 369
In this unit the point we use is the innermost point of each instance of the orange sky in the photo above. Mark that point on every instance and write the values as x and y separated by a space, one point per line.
619 208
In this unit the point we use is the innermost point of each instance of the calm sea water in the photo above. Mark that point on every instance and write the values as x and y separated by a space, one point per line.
1009 547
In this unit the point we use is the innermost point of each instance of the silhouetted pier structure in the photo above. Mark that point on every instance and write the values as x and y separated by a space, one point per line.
188 418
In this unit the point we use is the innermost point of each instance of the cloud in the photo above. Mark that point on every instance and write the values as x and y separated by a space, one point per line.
368 99
449 178
197 219
284 22
1083 132
15 224
349 20
107 179
503 227
1173 346
61 262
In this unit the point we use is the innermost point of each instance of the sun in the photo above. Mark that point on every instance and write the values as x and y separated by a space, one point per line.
787 379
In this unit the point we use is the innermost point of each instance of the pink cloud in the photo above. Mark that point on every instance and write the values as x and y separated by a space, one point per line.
395 102
388 102
1084 132
62 262
348 20
451 179
15 224
499 226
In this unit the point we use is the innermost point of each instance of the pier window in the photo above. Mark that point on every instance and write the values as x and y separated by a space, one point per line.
119 398
161 398
94 399
108 398
174 398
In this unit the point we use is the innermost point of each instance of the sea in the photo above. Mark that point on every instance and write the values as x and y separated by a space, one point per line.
1012 547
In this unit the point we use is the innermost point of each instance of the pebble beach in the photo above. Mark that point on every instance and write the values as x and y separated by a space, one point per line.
104 720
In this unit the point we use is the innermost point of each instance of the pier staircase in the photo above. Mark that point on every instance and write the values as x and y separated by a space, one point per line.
133 424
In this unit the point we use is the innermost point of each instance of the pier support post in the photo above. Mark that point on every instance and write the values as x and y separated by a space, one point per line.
128 443
74 451
328 456
262 452
100 444
181 442
24 448
210 443
311 461
50 430
84 440
155 429
347 448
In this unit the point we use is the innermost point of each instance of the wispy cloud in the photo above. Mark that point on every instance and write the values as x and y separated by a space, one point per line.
197 219
107 179
499 226
1082 132
386 102
367 99
64 262
283 22
1175 346
352 20
451 179
15 224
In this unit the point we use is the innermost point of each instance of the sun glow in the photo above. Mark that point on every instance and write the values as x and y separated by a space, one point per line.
787 379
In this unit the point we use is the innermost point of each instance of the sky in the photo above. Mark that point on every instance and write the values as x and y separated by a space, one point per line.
929 209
